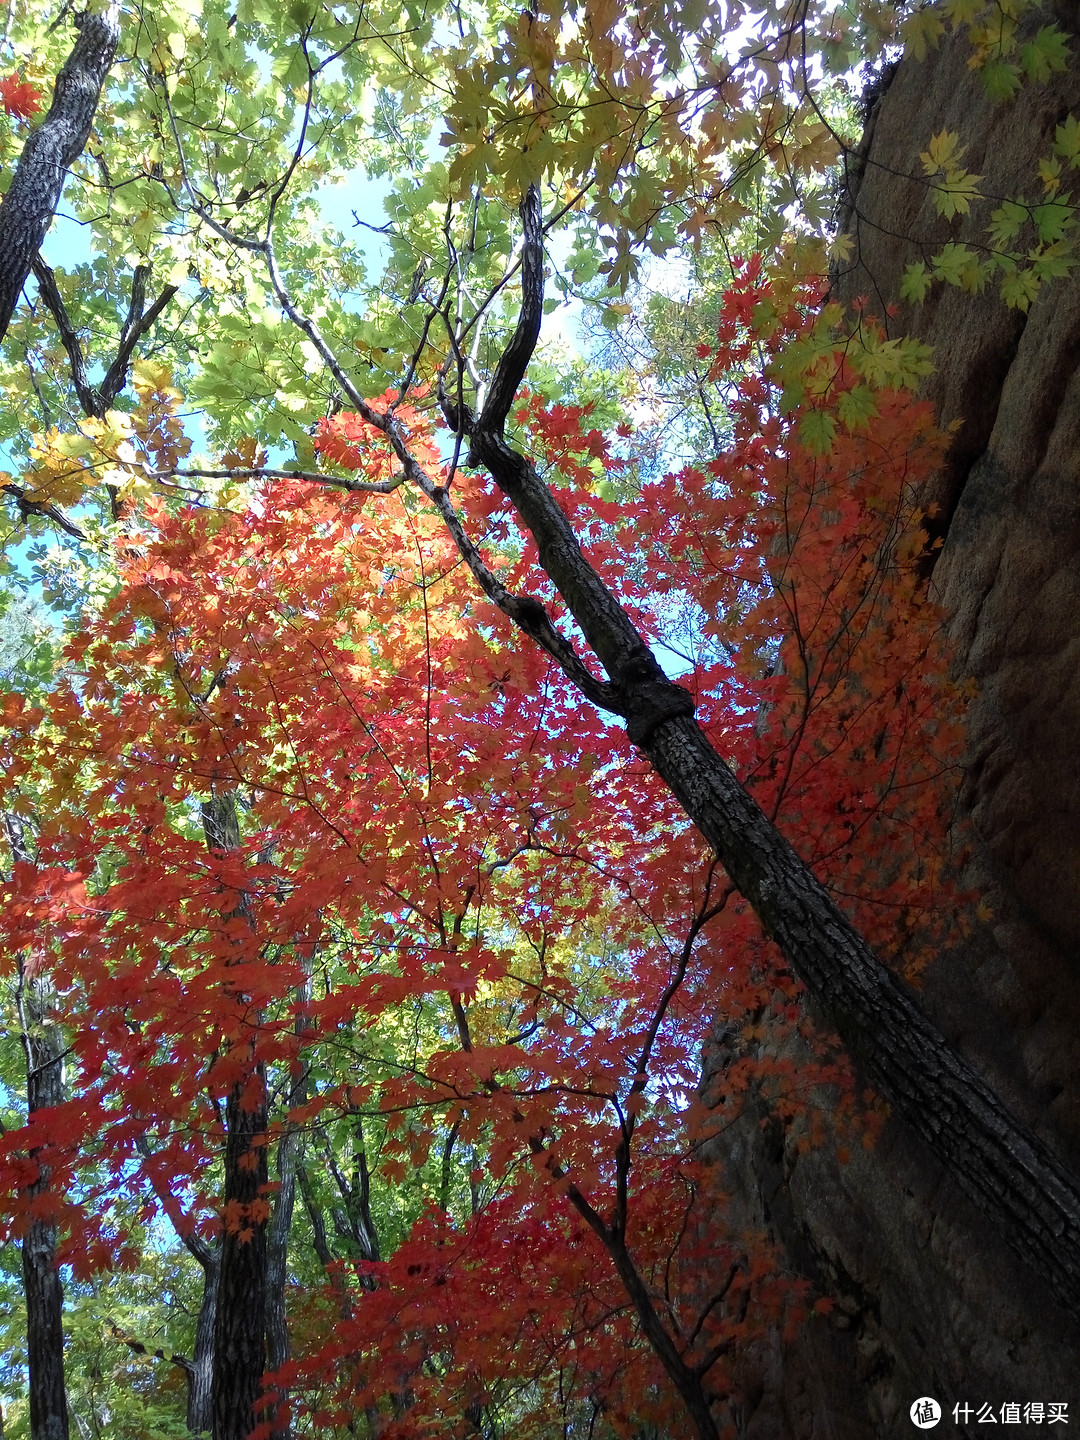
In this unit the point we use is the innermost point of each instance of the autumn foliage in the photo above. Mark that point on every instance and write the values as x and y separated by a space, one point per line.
19 97
462 909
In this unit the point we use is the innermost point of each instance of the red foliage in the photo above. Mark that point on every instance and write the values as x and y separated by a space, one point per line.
19 97
438 828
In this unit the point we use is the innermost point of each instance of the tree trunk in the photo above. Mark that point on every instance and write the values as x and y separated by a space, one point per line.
200 1418
289 1160
44 1293
43 1048
49 152
241 1311
277 1327
240 1327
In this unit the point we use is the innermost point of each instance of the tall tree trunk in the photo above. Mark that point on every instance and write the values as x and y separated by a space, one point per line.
43 1048
50 150
240 1325
43 1045
240 1318
289 1159
200 1377
277 1327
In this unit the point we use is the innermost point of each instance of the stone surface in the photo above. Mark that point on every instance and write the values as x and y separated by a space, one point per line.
927 1302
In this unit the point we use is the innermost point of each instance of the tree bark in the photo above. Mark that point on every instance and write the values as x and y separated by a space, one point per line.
50 150
240 1325
1012 1175
200 1377
290 1156
43 1291
240 1316
43 1048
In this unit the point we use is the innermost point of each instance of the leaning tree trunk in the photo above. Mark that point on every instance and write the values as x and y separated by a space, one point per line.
926 1301
50 151
1016 1182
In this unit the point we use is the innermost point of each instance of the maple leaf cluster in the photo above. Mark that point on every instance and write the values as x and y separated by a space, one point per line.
19 97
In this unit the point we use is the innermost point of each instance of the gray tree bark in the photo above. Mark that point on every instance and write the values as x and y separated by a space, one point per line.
43 1047
50 151
43 1291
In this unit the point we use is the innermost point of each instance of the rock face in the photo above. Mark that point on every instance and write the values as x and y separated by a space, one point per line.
928 1302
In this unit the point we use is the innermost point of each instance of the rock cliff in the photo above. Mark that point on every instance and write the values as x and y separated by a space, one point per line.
928 1302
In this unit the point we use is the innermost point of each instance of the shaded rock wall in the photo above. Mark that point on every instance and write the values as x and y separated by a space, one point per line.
927 1301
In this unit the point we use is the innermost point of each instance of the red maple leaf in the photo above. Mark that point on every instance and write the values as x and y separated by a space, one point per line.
19 97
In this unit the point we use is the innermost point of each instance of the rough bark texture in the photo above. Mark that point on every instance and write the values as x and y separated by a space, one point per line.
240 1325
199 1415
239 1351
928 1303
43 1291
50 150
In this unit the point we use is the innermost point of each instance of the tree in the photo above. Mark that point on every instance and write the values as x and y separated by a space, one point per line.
250 699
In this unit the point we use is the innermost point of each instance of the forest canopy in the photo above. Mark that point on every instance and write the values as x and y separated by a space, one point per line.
465 643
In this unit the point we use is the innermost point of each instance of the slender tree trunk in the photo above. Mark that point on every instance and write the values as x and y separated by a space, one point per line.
240 1317
44 1293
289 1159
277 1327
50 150
200 1377
43 1048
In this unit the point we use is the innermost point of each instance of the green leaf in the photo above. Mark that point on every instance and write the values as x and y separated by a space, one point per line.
1054 219
1054 263
856 407
817 429
1019 289
1046 55
957 265
1000 79
1006 222
922 31
954 195
1067 140
914 283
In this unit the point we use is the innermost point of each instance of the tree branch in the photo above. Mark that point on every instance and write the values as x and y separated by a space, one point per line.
511 368
135 327
28 507
96 401
69 338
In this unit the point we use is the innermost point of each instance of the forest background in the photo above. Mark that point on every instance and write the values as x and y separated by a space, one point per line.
370 891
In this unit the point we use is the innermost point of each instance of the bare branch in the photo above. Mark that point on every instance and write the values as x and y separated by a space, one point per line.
28 507
96 401
510 370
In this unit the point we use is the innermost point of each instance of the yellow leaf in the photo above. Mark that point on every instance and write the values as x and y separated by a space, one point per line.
943 152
